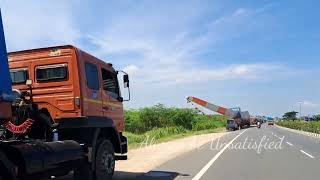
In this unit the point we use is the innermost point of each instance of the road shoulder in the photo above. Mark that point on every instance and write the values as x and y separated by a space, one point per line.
149 156
309 134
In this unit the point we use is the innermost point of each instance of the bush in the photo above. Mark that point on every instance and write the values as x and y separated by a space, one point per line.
301 125
160 122
181 117
203 122
161 117
133 122
167 131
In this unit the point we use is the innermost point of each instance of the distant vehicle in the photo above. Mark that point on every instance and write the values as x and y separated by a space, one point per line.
231 125
253 120
242 118
259 124
308 119
270 122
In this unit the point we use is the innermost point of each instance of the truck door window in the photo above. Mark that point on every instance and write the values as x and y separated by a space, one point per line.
19 76
92 76
52 72
110 83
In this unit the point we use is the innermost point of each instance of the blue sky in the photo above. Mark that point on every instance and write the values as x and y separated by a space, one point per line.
260 55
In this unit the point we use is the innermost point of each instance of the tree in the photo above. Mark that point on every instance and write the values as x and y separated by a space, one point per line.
290 115
316 117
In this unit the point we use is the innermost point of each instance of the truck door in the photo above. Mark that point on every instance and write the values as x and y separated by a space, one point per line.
112 106
93 100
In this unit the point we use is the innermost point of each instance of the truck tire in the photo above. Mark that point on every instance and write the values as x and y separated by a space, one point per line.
104 161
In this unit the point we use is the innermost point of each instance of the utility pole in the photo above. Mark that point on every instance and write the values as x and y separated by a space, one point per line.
300 106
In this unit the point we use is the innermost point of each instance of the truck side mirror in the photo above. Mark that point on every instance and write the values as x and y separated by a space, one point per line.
126 80
126 85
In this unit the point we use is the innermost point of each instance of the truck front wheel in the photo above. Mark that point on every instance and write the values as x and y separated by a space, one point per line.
105 161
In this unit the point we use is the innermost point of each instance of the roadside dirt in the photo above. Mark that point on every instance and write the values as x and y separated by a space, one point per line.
148 156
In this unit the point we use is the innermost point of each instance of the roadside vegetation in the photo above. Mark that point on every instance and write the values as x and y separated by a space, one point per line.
160 123
290 120
313 127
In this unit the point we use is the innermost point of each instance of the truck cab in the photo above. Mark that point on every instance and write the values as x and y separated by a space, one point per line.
69 83
78 97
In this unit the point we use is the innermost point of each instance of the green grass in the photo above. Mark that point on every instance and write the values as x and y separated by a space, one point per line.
159 123
152 137
313 127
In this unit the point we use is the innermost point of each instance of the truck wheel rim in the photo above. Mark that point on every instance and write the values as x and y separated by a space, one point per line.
107 162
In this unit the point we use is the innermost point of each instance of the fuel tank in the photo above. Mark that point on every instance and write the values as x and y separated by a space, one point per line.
36 156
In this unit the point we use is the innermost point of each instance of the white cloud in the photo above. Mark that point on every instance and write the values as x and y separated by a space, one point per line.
230 72
183 73
309 104
237 16
131 69
171 56
33 24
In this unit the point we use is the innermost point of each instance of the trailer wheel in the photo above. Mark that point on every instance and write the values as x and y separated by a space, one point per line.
105 161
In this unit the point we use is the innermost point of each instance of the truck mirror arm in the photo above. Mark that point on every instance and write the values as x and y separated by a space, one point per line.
128 94
126 84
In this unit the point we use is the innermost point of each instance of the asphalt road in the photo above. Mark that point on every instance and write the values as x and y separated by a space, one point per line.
252 153
281 155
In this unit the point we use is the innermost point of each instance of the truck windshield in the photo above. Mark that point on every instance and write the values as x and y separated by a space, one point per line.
19 76
52 72
230 121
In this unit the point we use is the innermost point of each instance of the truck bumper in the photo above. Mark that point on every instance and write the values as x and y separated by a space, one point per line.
124 144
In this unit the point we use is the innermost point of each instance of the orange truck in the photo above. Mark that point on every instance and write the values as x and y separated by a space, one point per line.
67 115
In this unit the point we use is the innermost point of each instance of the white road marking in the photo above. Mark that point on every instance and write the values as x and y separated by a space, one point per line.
307 154
289 143
278 136
207 166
